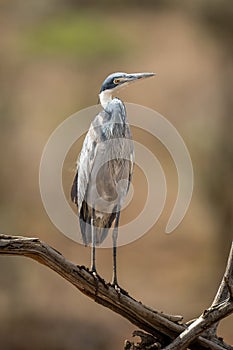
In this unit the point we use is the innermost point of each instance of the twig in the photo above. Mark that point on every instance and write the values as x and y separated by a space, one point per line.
227 280
224 288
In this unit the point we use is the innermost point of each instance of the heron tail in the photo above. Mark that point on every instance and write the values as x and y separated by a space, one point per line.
100 233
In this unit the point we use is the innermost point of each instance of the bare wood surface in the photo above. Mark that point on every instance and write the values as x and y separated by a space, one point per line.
163 327
227 281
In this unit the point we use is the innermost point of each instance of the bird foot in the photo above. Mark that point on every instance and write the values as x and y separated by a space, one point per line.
119 290
93 272
95 276
117 287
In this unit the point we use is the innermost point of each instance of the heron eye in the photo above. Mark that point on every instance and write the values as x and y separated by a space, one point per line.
116 81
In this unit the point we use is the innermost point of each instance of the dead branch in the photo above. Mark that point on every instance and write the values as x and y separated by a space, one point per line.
221 307
165 328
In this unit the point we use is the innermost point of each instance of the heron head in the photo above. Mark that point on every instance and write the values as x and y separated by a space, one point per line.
116 80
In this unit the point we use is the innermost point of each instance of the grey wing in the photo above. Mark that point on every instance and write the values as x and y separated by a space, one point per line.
81 184
74 191
84 167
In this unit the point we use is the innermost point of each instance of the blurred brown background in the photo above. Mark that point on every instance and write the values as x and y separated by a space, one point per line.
54 55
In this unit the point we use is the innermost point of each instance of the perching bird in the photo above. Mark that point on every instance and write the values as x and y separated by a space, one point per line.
105 168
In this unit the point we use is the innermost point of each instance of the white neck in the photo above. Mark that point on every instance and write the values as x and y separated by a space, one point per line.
105 97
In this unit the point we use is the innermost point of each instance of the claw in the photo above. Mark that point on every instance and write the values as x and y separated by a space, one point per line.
119 289
95 276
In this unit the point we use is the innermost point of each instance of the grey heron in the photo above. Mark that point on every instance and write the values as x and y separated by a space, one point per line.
105 168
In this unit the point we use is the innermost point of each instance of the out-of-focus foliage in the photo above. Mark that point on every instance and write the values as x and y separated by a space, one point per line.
82 35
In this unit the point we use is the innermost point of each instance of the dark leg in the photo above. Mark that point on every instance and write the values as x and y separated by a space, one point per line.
114 240
93 242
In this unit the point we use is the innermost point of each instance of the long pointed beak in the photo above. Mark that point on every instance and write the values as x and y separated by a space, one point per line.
136 76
